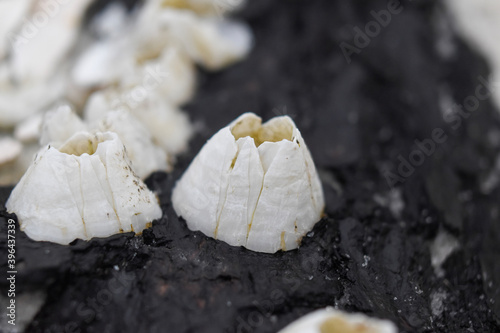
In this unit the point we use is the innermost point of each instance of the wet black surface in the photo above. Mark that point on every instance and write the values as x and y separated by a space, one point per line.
357 119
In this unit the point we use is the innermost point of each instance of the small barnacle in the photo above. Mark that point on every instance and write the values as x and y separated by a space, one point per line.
10 150
252 185
66 192
329 320
11 14
210 41
146 157
31 78
168 127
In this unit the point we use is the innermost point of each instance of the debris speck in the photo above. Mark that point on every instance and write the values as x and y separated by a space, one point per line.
366 260
443 246
437 302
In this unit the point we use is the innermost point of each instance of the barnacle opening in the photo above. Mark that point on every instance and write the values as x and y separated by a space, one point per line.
199 7
339 325
275 130
82 143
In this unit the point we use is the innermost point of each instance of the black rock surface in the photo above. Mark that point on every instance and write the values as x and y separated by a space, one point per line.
372 253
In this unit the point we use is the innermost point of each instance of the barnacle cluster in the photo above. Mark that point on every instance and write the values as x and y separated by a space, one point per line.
89 112
115 119
142 63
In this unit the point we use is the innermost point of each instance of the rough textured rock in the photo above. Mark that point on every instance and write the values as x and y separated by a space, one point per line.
372 253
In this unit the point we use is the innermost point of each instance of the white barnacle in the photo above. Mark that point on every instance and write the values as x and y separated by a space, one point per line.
20 101
329 320
145 156
13 170
49 32
60 124
11 15
10 149
210 41
84 189
253 185
169 127
40 39
157 52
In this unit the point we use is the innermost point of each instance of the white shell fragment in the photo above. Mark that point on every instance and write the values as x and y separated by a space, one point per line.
83 190
329 320
252 185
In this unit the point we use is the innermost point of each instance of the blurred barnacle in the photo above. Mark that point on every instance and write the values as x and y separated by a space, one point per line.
145 156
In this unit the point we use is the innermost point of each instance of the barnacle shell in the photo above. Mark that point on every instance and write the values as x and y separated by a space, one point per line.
54 28
11 14
107 63
160 45
10 149
20 101
329 320
252 185
59 125
12 171
210 41
169 127
145 156
29 130
31 78
82 190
